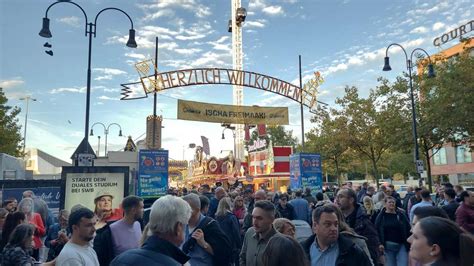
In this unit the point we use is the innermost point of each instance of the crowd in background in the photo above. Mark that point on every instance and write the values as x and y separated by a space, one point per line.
238 226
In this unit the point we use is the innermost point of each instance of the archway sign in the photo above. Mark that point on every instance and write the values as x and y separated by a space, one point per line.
154 81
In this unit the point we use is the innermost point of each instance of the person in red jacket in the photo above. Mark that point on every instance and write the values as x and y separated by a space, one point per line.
26 206
465 212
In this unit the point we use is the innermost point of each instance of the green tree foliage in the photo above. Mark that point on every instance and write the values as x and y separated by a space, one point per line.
329 138
10 137
278 135
448 98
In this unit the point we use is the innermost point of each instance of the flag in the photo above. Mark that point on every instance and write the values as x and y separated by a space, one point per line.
247 132
205 145
262 130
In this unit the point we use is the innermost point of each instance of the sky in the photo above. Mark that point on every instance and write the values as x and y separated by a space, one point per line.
344 40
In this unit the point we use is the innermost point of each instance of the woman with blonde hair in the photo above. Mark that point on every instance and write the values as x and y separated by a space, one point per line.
370 208
26 206
230 225
285 226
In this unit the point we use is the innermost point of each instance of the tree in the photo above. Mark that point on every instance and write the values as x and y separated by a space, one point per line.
449 99
329 138
278 135
10 137
374 124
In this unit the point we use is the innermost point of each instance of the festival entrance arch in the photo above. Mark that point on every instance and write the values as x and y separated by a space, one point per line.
153 81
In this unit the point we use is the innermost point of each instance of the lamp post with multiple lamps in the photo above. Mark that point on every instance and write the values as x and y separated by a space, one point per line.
90 30
409 62
106 132
27 99
228 126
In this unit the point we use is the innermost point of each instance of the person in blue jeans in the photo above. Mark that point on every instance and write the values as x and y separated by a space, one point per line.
393 229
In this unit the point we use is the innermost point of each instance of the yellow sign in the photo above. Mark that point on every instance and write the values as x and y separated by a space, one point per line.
220 113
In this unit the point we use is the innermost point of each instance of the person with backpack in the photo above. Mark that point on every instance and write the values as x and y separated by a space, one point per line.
205 242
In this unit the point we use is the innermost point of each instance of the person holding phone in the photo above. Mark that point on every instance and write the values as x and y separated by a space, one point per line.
58 235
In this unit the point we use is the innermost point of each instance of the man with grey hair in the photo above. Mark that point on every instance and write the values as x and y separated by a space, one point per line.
219 193
168 218
206 244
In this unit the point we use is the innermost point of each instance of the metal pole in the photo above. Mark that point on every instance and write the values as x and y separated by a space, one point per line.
98 146
154 94
26 123
301 105
88 97
413 114
106 133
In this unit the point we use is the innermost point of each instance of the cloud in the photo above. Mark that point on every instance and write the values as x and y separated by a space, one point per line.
158 14
195 7
136 56
107 98
259 23
419 30
222 44
187 51
210 59
11 83
108 73
273 10
72 90
438 26
71 21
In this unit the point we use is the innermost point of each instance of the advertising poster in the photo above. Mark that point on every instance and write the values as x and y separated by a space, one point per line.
51 195
82 185
295 173
311 171
306 171
152 173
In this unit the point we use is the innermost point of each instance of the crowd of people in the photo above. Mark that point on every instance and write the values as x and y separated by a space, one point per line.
236 226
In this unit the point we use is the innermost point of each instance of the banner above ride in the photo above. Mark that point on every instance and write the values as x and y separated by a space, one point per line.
153 81
221 113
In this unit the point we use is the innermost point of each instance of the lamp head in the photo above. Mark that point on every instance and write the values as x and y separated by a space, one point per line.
45 32
120 133
131 39
92 133
431 72
223 137
386 66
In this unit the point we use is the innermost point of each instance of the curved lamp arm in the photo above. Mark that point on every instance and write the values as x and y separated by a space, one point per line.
419 49
83 12
98 123
112 8
120 128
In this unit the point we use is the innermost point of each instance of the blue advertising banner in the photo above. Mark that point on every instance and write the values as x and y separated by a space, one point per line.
306 171
51 195
311 171
152 173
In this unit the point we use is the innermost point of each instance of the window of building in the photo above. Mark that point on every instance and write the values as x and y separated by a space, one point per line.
463 154
439 156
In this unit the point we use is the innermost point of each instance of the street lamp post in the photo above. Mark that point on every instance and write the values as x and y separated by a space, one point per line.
106 131
233 133
90 30
27 99
418 163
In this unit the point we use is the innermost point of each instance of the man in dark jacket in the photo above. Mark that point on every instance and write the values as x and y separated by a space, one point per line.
452 206
327 246
259 195
357 219
169 215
